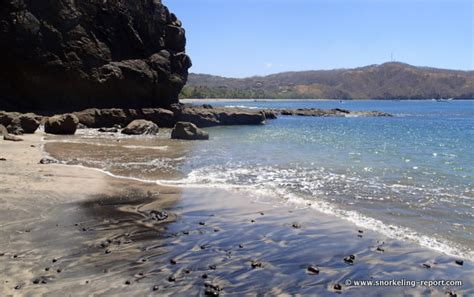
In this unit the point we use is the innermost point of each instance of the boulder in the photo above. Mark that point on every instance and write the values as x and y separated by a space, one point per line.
139 127
71 55
61 124
161 117
6 136
25 123
188 131
7 117
105 118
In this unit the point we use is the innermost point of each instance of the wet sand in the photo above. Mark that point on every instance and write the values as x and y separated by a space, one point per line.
72 231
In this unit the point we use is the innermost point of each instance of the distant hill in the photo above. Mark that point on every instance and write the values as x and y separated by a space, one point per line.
386 81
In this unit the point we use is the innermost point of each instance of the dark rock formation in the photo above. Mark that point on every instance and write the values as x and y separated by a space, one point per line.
6 136
201 116
337 112
25 123
161 117
217 116
7 117
270 114
61 124
188 131
100 118
71 55
139 127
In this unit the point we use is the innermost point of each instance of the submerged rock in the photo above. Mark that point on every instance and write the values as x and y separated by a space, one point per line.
140 127
188 131
78 54
336 112
61 124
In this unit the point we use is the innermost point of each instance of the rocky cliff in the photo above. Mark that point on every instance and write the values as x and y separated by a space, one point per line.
69 54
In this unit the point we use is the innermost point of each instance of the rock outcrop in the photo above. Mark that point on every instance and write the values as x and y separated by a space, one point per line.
188 131
140 127
203 116
61 124
100 118
336 112
70 55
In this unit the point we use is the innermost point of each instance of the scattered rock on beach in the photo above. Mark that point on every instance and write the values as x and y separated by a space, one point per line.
459 262
296 226
65 124
158 215
211 289
256 264
350 259
188 131
312 269
141 127
337 287
3 159
48 160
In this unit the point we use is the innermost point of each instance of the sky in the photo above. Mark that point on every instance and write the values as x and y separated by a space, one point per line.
241 38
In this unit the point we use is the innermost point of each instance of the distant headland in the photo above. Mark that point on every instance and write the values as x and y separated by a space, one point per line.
392 80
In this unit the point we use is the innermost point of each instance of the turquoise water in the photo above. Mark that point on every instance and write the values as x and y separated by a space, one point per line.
410 176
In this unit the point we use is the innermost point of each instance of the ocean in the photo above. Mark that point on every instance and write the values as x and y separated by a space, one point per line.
410 177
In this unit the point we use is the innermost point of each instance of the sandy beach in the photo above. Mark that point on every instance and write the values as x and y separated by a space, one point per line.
81 231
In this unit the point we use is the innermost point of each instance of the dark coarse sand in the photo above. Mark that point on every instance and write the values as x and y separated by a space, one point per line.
83 232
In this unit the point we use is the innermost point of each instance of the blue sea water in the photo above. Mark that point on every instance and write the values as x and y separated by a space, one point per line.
410 176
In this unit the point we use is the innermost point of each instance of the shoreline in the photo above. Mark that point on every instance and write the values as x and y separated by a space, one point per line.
284 241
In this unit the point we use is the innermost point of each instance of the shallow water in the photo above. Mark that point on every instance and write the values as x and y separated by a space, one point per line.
409 177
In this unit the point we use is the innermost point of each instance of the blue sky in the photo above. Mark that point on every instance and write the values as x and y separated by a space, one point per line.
238 38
